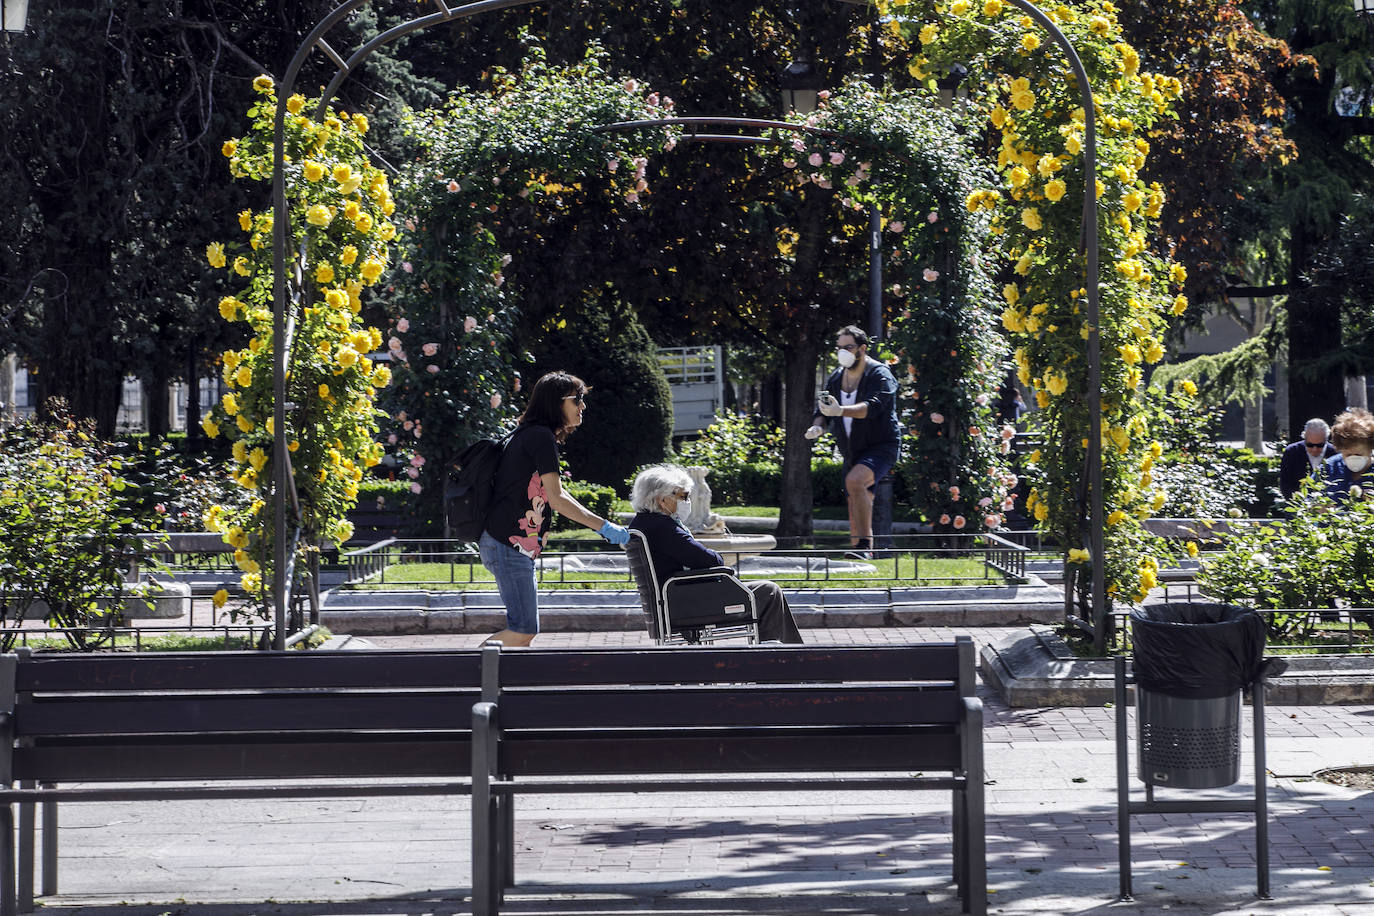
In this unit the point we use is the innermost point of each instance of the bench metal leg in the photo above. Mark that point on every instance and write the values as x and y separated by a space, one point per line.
1261 793
973 889
507 842
24 891
1123 785
485 814
8 905
49 847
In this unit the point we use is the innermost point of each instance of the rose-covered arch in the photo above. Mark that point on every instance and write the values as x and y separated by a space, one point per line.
550 135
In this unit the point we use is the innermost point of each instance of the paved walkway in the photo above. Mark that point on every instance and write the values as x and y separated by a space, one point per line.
1052 846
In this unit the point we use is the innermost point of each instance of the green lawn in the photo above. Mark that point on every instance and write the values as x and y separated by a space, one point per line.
906 570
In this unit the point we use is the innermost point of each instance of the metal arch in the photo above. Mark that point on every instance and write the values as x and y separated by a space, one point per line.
282 478
1093 276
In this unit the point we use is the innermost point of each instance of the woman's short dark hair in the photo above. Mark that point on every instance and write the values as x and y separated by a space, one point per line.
859 334
1354 427
546 401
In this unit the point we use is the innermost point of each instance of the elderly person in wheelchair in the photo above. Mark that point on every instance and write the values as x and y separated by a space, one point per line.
660 498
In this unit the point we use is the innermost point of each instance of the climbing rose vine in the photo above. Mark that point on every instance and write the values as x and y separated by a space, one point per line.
339 208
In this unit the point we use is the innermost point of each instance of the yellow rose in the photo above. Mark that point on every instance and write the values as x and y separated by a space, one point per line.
258 459
246 220
1116 517
230 405
1030 41
347 356
1056 383
214 253
324 390
229 147
1192 548
241 266
1154 353
229 308
295 103
1054 191
1079 555
1132 201
1030 218
211 428
1189 387
244 424
381 376
363 223
312 171
348 255
263 83
372 270
324 273
1180 305
243 377
1130 354
219 598
360 123
318 215
928 34
992 8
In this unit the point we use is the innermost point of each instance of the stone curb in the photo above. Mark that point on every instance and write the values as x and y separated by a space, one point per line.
1036 668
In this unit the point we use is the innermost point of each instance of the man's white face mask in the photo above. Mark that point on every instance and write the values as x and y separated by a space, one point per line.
846 358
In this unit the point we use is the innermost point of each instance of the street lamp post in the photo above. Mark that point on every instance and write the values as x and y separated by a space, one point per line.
14 15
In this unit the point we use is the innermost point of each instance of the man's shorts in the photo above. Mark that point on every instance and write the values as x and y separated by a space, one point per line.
878 458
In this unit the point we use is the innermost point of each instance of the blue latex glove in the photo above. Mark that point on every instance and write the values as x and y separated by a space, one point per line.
615 533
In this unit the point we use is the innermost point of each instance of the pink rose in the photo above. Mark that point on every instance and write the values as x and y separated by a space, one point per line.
975 431
985 502
612 165
823 94
823 183
1009 503
799 144
944 519
652 100
631 85
866 166
417 460
432 369
402 325
959 521
1010 480
415 488
897 291
789 163
631 197
391 439
413 473
1008 431
410 224
394 343
517 383
814 159
469 324
454 186
992 521
981 400
954 493
932 217
930 276
402 417
408 267
837 158
1005 447
160 509
896 226
937 418
430 349
408 425
496 400
670 144
417 432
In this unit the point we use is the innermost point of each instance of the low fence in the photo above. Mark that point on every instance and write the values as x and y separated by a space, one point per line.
970 559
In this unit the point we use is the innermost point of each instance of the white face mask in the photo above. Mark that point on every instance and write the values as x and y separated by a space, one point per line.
684 509
1356 463
846 358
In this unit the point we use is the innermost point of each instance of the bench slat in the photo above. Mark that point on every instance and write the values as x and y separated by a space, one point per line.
729 705
773 664
267 711
248 670
920 748
339 755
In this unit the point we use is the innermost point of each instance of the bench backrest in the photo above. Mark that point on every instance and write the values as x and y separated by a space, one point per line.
251 715
741 709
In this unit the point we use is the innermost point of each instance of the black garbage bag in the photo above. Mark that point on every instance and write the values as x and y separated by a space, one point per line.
1199 651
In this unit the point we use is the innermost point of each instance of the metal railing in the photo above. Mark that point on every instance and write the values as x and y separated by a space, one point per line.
986 559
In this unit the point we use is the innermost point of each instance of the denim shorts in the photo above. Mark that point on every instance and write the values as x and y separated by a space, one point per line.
514 573
879 459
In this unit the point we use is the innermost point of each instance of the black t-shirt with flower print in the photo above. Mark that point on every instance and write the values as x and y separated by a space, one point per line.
520 514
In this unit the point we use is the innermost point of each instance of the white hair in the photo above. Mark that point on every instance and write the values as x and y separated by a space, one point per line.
1316 425
655 482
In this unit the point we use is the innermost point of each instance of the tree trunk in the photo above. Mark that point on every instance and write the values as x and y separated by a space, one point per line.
799 371
1312 320
1254 426
155 408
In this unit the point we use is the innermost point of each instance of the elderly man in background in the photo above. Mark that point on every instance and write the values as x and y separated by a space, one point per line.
1304 458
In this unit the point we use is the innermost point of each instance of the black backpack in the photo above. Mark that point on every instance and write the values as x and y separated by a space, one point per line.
468 491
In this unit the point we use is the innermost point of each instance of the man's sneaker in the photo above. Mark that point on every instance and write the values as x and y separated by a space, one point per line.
859 553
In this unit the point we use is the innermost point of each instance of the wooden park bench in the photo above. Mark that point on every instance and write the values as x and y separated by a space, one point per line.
741 719
222 725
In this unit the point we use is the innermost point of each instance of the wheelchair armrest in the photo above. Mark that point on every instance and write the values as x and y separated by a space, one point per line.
700 573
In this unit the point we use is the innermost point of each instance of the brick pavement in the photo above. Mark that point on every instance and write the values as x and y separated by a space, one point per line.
1052 841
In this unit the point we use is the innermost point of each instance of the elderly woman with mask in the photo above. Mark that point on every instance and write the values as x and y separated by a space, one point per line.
660 498
1353 436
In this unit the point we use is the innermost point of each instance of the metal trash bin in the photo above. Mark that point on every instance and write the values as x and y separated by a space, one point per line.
1187 744
1191 662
